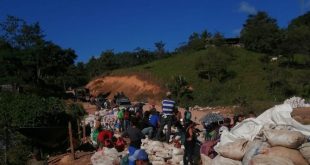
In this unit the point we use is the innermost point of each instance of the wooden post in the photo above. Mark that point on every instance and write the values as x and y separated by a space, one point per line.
79 129
84 131
71 140
5 145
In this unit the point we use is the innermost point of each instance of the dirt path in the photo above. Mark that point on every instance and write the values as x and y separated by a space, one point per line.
89 108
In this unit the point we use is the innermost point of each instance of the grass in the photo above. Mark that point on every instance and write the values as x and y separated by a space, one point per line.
250 82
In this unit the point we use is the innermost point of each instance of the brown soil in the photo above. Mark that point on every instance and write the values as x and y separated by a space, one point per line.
81 158
89 108
302 115
133 86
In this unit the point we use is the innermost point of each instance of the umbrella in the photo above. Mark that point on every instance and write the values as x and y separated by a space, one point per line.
211 118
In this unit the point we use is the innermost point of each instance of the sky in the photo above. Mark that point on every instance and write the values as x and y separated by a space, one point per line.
92 26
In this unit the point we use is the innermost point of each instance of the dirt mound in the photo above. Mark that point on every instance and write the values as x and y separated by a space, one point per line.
133 86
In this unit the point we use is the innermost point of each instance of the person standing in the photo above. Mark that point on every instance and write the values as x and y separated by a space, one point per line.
126 119
120 117
168 107
187 115
189 144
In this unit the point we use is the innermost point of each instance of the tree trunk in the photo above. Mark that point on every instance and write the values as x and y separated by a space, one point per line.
71 140
79 129
84 132
5 145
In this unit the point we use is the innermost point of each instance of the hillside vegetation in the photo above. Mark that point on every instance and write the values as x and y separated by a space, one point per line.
250 81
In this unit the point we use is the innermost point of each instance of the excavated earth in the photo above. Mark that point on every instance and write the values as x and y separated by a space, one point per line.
132 86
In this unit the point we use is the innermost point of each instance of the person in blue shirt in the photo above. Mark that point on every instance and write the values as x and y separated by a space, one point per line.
154 121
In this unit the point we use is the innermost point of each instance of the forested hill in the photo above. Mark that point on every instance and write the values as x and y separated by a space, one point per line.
228 76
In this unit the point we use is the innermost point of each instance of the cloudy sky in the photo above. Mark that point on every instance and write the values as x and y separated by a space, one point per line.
90 27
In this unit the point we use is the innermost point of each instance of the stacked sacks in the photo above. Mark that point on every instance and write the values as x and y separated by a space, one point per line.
107 156
305 151
231 153
284 144
90 119
106 118
275 139
162 153
296 102
275 147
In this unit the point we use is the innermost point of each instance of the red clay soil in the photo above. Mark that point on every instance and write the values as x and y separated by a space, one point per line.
133 86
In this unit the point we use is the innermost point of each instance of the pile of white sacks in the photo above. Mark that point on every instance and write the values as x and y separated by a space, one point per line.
107 156
162 153
296 102
159 153
105 116
271 138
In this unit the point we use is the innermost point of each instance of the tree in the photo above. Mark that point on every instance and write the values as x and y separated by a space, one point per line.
260 33
180 89
195 42
206 36
218 39
213 65
160 48
297 38
25 111
20 34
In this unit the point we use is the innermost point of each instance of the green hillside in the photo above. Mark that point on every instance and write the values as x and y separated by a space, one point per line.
249 84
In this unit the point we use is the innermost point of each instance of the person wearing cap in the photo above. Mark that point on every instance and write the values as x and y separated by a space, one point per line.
140 157
189 144
168 107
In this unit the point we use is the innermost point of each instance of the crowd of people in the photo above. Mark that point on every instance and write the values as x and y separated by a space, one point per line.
135 124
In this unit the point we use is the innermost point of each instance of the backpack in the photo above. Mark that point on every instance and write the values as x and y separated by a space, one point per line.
126 115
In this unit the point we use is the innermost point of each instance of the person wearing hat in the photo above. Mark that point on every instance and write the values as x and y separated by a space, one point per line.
140 157
168 107
189 144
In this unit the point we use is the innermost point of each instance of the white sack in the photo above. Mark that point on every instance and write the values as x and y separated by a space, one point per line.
219 160
270 160
249 128
305 151
285 138
254 148
294 155
234 150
